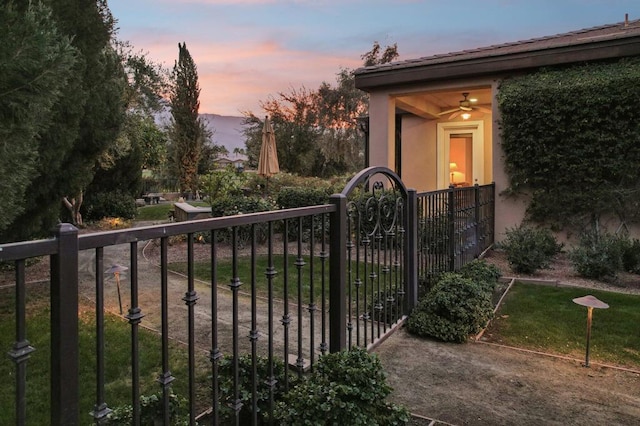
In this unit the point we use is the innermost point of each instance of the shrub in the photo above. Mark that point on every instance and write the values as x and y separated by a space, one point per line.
292 197
223 183
598 255
482 273
109 204
245 386
452 310
229 206
529 249
631 256
345 388
151 411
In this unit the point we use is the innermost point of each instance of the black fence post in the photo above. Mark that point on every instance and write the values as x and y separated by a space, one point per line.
478 237
64 327
411 250
493 213
337 271
452 229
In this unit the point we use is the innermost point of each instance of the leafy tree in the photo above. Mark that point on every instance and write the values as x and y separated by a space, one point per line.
187 131
140 143
85 119
223 183
378 57
316 131
147 81
35 67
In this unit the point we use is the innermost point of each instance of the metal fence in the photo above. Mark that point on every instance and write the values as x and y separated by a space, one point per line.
455 226
334 276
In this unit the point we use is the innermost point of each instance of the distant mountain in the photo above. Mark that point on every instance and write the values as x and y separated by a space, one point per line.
225 130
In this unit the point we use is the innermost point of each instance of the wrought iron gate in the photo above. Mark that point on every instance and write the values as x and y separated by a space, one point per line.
380 271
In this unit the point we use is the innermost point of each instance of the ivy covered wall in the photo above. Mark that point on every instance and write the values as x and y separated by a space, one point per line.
571 140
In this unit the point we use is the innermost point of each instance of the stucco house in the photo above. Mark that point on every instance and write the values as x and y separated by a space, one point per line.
236 161
434 120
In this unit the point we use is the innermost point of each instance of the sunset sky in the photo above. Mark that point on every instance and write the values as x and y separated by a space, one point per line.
249 50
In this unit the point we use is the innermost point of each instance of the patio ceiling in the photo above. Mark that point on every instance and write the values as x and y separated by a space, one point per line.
429 104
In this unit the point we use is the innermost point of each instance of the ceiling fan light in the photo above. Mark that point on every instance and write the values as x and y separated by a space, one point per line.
466 116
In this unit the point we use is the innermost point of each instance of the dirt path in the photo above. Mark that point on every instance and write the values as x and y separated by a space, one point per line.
481 384
149 296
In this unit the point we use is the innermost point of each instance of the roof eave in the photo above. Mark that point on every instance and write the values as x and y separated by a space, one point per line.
498 64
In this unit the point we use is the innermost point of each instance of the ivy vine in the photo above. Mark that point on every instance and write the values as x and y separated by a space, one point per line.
571 140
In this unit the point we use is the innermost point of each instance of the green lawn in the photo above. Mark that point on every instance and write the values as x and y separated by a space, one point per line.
202 271
545 318
117 361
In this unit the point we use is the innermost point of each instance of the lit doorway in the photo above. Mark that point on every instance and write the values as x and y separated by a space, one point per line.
460 159
460 151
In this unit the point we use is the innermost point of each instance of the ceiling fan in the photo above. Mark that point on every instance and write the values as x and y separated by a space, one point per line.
465 106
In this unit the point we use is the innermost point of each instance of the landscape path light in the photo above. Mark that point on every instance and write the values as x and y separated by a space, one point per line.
115 270
590 302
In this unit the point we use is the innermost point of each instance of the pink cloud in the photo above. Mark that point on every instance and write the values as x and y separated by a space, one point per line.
237 77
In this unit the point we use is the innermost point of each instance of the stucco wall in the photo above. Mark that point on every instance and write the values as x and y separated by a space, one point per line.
419 153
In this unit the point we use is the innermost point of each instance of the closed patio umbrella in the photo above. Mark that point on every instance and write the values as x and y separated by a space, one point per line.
268 161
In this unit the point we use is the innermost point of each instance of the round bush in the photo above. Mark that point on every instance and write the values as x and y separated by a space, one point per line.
452 310
529 249
345 388
482 273
598 255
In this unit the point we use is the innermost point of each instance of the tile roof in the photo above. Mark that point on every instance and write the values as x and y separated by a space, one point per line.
602 33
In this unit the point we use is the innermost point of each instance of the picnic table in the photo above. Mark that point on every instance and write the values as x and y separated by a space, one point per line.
152 198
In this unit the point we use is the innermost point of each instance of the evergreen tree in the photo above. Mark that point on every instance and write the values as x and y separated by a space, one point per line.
140 143
187 132
35 68
85 119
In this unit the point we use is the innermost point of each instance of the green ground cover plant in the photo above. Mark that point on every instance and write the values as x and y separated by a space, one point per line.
460 304
117 360
545 318
596 149
345 388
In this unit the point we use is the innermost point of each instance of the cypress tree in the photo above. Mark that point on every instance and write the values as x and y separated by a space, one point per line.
187 132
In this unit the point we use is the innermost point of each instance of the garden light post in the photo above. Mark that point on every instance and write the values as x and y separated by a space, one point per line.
115 270
590 302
